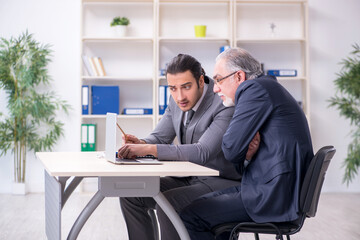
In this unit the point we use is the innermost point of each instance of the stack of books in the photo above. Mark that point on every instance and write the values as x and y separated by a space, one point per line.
94 66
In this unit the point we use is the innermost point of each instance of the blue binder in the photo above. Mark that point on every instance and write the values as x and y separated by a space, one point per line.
105 99
138 111
282 72
85 99
162 99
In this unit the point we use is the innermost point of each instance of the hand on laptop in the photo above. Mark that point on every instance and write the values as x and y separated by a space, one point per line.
128 138
134 150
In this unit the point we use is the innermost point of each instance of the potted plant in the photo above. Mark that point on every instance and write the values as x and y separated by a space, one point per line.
31 120
347 101
120 24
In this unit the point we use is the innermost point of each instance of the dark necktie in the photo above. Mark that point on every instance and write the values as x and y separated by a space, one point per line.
190 114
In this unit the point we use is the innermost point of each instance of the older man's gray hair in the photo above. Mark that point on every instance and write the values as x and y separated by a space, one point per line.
240 59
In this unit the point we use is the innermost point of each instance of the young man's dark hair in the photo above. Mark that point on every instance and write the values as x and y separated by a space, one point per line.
182 63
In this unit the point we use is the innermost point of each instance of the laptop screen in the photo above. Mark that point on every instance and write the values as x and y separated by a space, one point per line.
110 144
110 137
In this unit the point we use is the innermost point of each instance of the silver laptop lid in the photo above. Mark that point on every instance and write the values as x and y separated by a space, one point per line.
110 144
110 137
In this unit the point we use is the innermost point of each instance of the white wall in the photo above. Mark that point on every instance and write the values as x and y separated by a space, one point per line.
332 31
333 28
56 23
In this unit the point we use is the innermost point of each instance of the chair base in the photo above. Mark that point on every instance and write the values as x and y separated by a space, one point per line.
278 229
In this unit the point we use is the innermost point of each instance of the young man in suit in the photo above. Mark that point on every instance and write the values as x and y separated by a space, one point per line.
200 137
271 180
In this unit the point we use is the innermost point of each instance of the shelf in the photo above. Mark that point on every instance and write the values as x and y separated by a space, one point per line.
291 78
272 1
90 116
195 1
115 1
270 40
117 39
194 39
116 78
97 16
176 19
284 21
119 59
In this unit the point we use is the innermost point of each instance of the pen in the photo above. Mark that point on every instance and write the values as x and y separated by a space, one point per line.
121 129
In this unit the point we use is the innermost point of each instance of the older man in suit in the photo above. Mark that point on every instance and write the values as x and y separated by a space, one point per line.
271 180
197 117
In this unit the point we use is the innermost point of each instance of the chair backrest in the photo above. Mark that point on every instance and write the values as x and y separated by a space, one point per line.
314 179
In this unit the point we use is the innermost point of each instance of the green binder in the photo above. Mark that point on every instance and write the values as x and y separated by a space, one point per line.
88 137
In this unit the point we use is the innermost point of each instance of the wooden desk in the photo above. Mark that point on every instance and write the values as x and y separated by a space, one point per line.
114 181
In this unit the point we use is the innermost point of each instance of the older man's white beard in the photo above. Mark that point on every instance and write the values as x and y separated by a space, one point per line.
228 101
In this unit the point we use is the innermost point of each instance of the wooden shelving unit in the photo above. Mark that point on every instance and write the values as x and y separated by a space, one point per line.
160 29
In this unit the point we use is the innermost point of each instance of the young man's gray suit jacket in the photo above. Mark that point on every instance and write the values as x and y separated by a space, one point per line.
204 135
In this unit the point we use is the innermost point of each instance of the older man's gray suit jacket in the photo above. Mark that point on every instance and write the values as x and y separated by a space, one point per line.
203 136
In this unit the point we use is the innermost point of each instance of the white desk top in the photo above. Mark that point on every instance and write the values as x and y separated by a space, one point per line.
66 164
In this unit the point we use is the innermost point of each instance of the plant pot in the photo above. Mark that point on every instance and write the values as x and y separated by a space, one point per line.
19 188
200 30
120 31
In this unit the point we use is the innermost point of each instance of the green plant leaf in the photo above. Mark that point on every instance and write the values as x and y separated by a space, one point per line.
120 21
347 101
32 108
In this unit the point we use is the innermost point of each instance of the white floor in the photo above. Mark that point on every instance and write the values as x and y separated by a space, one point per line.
22 218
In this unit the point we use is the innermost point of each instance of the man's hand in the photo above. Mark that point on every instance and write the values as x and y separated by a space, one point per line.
131 139
253 146
134 150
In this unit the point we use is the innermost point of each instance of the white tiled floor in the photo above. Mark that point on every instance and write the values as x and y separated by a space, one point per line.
22 218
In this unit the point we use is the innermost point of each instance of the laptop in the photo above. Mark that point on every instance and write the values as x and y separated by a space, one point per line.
110 145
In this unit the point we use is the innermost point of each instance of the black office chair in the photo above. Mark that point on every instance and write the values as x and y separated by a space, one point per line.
309 198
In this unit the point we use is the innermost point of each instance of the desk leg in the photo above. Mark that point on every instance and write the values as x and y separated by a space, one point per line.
55 197
53 193
84 215
69 190
154 221
172 215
